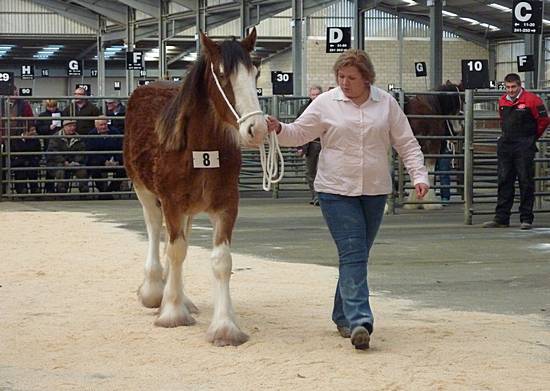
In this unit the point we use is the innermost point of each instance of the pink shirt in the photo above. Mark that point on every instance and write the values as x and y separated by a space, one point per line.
356 141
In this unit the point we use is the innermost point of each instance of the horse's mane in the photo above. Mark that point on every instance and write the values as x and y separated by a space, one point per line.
193 98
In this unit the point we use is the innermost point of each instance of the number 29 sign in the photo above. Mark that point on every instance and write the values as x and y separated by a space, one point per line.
475 74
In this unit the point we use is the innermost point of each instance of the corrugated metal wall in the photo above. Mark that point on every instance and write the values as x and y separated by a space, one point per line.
26 17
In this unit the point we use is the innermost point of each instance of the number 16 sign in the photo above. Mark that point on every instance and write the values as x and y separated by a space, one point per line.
475 74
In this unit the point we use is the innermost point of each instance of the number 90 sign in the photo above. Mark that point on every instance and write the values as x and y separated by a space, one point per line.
475 74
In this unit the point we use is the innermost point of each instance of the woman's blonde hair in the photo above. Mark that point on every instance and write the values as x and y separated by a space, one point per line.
50 103
357 58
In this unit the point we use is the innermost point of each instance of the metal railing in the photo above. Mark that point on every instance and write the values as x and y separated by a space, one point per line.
473 180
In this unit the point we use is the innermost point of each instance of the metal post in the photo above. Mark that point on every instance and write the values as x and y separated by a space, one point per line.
4 112
163 11
131 39
200 23
436 43
297 44
8 146
468 156
101 59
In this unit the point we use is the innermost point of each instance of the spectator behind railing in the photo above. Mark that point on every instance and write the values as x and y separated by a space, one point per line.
49 127
67 142
26 145
115 109
109 159
17 108
82 108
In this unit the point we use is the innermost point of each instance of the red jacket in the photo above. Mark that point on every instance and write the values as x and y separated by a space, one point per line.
526 116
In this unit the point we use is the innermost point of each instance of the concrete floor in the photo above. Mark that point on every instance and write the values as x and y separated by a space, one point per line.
426 256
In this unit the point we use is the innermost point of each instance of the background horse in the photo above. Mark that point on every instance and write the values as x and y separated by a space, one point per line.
170 132
432 105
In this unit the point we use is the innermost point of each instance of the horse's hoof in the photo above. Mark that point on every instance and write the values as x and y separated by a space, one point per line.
150 294
227 335
410 206
174 317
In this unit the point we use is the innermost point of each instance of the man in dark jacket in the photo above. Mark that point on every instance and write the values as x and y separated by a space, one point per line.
70 163
523 119
82 108
107 141
28 163
115 109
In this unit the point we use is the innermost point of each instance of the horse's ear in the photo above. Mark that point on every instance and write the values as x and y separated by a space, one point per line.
250 40
211 48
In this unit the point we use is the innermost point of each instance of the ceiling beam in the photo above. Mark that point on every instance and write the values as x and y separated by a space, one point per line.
75 13
112 10
150 7
191 4
425 20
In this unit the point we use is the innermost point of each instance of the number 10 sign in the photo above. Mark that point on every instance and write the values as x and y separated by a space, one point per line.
475 74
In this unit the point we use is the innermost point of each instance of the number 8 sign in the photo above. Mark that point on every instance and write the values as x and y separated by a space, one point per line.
475 74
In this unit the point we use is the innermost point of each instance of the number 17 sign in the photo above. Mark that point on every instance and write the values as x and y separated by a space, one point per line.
475 74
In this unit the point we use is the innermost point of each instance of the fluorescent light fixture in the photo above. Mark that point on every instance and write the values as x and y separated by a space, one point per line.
489 26
469 20
500 7
546 21
6 47
409 2
447 13
190 57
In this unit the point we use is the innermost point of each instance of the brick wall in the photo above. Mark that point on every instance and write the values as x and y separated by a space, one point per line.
385 57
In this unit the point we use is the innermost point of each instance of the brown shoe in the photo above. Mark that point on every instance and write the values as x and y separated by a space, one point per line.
344 331
494 224
360 338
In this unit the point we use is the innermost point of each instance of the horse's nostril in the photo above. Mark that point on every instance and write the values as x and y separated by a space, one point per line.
250 131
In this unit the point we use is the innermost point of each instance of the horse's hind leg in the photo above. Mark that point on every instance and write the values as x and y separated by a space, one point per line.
174 309
223 330
150 291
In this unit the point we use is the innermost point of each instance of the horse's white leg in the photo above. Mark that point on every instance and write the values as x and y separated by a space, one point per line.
150 291
430 165
173 309
223 330
412 198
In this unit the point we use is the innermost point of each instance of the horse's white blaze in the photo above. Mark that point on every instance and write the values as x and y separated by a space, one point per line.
150 291
246 101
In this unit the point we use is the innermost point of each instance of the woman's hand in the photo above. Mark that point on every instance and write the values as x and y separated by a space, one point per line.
273 124
421 190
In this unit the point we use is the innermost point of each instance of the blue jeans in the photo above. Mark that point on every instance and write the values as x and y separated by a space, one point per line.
444 164
353 223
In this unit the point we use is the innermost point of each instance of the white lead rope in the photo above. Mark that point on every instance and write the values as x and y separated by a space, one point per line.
270 163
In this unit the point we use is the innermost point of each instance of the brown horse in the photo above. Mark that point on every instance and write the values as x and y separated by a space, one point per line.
182 152
444 104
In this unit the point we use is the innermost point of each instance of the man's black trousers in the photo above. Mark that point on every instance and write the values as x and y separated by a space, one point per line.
516 160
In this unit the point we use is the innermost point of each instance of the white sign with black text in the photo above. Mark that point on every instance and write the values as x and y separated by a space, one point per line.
206 159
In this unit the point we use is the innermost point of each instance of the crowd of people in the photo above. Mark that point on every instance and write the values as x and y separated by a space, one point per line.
54 145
